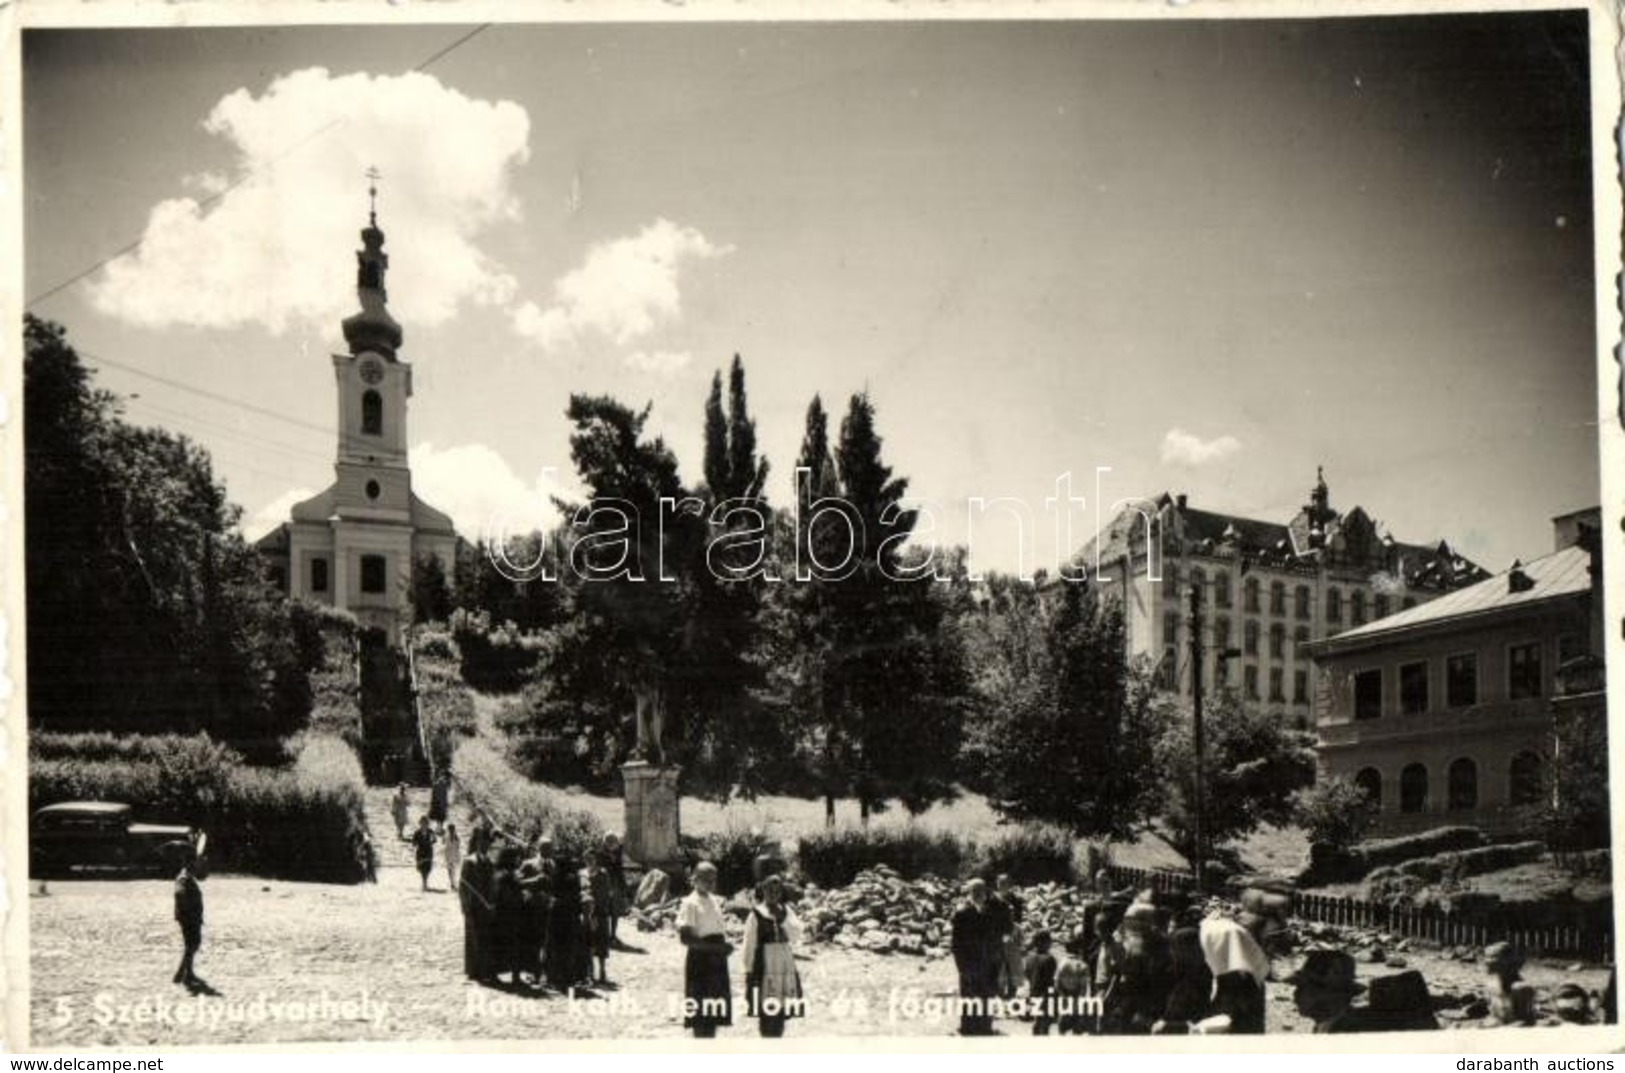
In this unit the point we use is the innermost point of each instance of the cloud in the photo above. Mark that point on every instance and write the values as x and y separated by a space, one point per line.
484 496
276 249
623 289
659 362
273 513
1181 448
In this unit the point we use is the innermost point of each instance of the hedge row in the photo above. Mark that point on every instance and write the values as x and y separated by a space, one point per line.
1029 853
517 805
1379 853
302 821
1463 863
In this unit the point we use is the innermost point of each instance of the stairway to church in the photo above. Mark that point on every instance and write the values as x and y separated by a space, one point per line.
391 749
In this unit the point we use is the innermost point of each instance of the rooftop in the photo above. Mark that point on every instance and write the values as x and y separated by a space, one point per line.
1562 573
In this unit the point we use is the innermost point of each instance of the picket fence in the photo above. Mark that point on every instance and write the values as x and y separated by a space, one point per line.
1581 937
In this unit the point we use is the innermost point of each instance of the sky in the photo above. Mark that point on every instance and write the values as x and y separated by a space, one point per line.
1205 256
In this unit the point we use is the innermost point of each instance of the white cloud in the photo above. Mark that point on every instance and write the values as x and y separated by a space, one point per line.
276 249
273 513
1181 448
658 362
481 492
623 289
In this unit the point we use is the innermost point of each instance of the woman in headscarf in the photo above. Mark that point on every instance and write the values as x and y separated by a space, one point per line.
707 994
1239 967
772 985
474 882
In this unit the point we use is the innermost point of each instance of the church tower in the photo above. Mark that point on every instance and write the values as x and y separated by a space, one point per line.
356 545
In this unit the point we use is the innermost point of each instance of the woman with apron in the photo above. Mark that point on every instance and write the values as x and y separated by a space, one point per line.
772 986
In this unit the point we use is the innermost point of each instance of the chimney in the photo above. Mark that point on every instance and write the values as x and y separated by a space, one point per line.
1517 580
1179 501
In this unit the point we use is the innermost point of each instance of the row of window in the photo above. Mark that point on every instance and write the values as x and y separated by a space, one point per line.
1524 681
1249 679
1302 597
374 574
1250 635
1525 785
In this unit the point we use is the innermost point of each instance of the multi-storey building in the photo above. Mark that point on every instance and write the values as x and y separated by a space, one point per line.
1268 589
1447 713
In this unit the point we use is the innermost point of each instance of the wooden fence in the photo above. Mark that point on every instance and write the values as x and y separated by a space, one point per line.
1584 937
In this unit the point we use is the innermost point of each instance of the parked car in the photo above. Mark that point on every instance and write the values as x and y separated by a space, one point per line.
103 835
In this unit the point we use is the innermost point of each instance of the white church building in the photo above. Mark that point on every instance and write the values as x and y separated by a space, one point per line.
355 545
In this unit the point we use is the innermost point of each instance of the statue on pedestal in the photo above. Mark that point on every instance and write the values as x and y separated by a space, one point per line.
651 719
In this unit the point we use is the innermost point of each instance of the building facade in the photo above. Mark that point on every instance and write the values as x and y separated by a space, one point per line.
1268 589
356 544
1444 714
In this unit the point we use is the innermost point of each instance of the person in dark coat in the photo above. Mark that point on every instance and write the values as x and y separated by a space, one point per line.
440 799
189 915
474 892
1040 969
707 993
423 840
567 961
1137 994
508 927
1192 986
1009 907
977 942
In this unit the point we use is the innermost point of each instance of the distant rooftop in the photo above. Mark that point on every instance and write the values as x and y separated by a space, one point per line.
1562 573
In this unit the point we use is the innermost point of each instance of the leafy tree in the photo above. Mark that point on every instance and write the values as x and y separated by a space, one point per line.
1255 765
431 590
1334 812
1065 738
146 610
1577 813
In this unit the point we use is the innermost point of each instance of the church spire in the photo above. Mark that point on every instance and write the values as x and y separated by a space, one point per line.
373 328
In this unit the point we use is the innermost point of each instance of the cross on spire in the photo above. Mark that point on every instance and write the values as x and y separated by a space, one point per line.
373 175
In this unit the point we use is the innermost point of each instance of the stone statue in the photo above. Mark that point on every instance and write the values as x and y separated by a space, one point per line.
651 715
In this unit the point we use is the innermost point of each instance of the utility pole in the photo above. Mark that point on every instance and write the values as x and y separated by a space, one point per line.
1199 814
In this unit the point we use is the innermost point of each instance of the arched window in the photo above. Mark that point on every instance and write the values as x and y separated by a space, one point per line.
1277 641
1369 781
1277 597
1301 598
372 413
1357 607
1382 605
1525 788
1250 638
1413 788
1221 588
1463 784
1250 595
1334 604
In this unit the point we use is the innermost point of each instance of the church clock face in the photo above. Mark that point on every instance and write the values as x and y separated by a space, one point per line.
372 371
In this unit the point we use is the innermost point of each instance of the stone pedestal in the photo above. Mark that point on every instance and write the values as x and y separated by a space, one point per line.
651 813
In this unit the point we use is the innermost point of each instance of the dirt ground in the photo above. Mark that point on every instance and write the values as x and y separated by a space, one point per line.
297 961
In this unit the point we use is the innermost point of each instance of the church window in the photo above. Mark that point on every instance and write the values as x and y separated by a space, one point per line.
372 413
318 575
373 574
372 489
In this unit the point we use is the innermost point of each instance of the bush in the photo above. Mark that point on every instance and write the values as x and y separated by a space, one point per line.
495 659
1468 862
517 806
1334 812
304 821
1030 853
834 858
734 852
